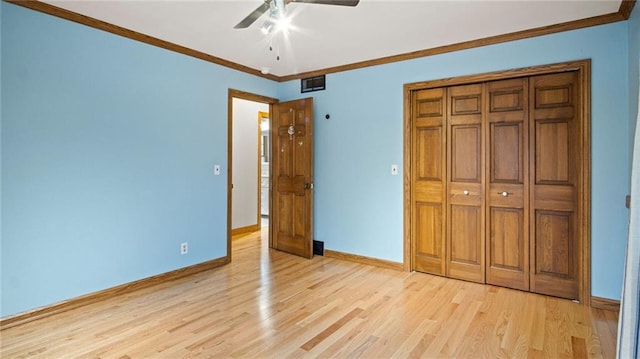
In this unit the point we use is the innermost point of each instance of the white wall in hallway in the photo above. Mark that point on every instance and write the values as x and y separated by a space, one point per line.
245 159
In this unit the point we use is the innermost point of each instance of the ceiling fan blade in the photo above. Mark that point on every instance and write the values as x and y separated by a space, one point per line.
330 2
251 18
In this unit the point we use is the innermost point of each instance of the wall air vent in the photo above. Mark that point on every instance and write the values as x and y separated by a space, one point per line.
310 84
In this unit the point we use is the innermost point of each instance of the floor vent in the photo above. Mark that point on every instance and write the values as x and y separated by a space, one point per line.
318 248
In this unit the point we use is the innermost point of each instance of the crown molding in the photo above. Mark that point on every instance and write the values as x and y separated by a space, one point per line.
134 35
623 13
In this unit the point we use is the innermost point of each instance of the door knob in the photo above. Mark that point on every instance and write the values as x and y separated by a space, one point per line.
308 186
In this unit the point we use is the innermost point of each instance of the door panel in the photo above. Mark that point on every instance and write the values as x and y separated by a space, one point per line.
428 181
465 185
554 243
506 157
429 217
465 248
465 153
507 238
552 150
429 142
507 247
555 253
292 157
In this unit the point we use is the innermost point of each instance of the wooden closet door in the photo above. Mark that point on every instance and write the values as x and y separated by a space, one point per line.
465 184
428 180
554 160
508 183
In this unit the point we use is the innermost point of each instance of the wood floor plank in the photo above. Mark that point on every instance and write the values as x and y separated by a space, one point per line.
331 329
268 304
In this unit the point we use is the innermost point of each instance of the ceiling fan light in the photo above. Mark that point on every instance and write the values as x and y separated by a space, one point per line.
283 23
267 27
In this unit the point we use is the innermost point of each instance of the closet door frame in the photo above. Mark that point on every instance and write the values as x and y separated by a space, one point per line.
583 70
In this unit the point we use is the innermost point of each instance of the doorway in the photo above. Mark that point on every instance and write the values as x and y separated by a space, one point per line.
248 177
290 169
247 162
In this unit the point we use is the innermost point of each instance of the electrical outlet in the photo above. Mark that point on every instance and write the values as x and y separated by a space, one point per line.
184 248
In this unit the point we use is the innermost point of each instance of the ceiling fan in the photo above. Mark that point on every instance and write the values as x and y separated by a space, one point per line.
277 9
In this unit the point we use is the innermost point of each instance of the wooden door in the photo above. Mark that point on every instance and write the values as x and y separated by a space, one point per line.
428 180
292 175
465 184
554 165
507 200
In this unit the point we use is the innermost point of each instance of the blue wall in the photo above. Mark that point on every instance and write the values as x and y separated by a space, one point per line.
358 204
108 146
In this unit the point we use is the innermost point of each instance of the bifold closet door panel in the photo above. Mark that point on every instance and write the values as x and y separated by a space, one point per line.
554 160
428 181
465 184
507 200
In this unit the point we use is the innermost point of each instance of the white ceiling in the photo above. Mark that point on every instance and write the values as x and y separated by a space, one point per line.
325 36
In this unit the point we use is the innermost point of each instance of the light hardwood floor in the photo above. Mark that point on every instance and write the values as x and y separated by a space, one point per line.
268 304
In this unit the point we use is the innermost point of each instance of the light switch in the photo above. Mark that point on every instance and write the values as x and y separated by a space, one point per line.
394 170
216 170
